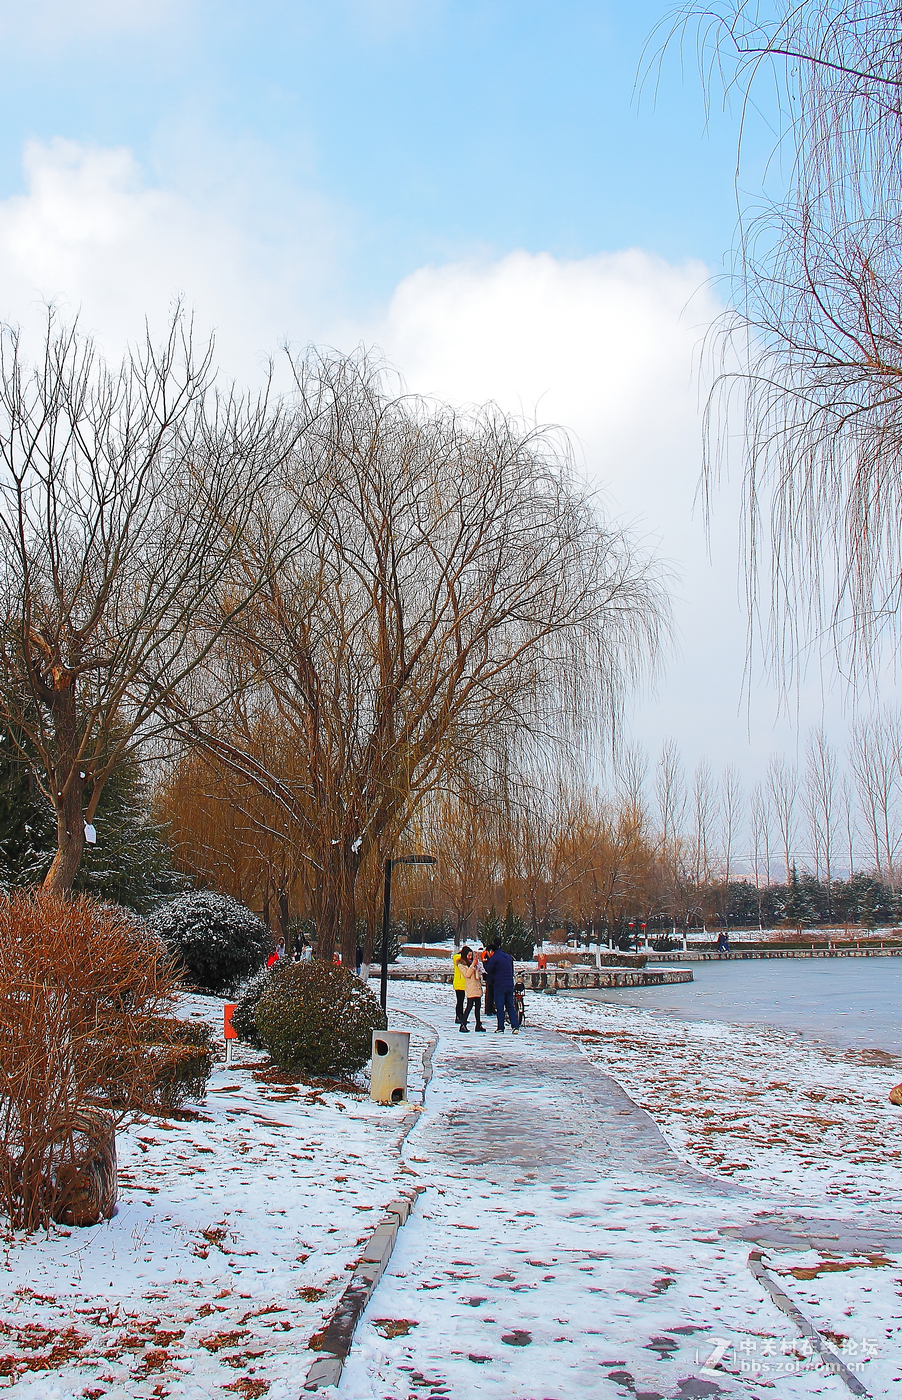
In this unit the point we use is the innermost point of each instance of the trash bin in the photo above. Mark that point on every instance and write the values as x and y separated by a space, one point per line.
388 1076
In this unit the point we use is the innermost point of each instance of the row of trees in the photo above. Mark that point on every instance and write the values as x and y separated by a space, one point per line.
325 608
340 619
555 857
831 814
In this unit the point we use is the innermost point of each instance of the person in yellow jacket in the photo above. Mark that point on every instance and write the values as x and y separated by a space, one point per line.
460 986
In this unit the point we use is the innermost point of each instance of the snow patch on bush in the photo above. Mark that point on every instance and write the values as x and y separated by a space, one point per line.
219 940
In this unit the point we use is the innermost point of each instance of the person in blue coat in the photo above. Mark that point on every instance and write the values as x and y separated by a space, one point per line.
499 978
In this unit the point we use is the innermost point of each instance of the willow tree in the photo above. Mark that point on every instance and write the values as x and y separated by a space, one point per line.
231 837
811 380
123 491
459 598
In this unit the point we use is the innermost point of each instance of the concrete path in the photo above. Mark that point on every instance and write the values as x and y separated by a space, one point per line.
531 1108
561 1248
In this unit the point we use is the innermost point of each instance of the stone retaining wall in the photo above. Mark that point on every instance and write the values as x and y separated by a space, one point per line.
555 980
739 953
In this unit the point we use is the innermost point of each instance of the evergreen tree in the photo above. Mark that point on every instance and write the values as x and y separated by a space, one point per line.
516 939
130 863
490 928
27 822
798 907
867 907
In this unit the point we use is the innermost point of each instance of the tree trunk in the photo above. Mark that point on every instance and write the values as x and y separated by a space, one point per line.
283 918
70 839
336 923
373 925
348 909
326 914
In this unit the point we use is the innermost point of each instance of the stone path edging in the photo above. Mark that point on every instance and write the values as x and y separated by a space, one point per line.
786 1305
338 1337
339 1334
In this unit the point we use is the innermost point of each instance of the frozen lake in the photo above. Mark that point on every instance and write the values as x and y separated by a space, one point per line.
844 1001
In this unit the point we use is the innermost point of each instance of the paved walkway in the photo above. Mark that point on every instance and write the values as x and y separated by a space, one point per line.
561 1248
531 1107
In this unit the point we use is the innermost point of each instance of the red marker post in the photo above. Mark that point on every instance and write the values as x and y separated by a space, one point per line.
228 1030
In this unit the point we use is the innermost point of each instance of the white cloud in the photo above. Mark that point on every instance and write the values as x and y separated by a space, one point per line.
606 346
55 21
91 235
609 346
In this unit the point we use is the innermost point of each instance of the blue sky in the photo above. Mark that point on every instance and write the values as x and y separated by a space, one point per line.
434 131
469 185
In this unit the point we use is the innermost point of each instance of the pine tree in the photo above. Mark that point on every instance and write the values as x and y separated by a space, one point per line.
27 822
131 863
490 928
798 908
516 939
867 908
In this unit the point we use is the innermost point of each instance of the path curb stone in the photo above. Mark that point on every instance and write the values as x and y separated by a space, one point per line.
339 1334
831 1361
338 1337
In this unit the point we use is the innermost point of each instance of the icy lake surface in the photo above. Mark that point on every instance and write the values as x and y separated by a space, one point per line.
843 1001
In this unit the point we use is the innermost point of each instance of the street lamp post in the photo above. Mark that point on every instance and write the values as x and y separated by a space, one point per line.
386 913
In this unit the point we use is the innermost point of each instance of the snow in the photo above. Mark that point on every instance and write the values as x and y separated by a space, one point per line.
230 1247
561 1247
532 1289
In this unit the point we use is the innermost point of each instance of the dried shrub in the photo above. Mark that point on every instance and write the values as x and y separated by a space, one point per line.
218 940
179 1064
80 986
182 1054
318 1017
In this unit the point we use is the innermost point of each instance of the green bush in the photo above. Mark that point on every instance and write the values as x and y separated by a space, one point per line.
516 938
219 941
244 1020
319 1018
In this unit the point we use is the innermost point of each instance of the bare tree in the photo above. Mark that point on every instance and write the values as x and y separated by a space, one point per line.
874 757
817 301
851 829
460 601
761 838
463 828
122 495
704 823
223 831
631 772
821 804
731 806
670 792
782 791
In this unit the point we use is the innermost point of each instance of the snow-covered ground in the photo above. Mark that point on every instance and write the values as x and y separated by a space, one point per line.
560 1246
789 1114
231 1244
548 1284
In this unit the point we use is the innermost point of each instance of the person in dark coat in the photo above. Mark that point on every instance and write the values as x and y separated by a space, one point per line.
486 964
499 978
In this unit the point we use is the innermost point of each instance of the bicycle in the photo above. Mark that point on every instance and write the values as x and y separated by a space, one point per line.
520 1002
